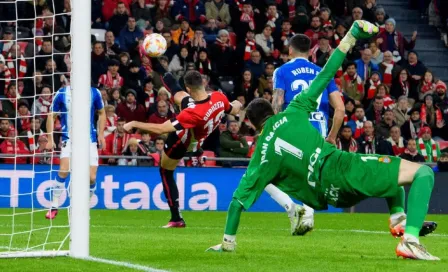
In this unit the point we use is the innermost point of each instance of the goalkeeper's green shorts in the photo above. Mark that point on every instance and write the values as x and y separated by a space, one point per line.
348 178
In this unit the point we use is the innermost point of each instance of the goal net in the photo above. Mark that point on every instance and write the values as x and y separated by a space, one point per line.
35 61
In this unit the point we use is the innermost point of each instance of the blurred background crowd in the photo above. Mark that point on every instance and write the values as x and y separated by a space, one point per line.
393 86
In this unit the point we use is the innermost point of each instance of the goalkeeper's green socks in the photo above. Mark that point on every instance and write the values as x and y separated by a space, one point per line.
418 201
233 220
396 203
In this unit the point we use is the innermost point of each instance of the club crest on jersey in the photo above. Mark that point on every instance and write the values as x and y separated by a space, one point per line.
384 159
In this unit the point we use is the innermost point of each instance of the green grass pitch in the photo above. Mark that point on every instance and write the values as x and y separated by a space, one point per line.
340 242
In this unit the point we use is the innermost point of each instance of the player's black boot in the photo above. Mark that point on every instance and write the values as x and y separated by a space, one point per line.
428 227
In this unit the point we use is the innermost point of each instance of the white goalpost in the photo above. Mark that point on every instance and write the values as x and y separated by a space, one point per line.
25 194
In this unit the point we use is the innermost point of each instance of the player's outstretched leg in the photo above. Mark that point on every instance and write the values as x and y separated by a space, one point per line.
58 188
421 178
171 191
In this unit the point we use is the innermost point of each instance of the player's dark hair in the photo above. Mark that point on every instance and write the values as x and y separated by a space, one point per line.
300 43
193 80
258 111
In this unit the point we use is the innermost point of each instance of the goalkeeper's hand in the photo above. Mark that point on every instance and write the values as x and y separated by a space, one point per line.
225 246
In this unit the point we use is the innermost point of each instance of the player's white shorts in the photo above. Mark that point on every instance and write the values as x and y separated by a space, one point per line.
67 148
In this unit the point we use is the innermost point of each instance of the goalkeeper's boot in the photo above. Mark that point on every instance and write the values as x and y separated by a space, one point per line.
175 224
225 246
398 226
51 214
413 250
296 218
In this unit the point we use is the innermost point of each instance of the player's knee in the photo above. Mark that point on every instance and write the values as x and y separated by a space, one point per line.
92 181
63 173
235 204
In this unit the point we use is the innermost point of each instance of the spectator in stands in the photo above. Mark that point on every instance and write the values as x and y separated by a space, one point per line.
403 86
134 79
5 76
383 128
172 48
162 11
52 76
99 61
349 109
368 10
218 10
371 87
141 13
149 94
274 19
442 163
431 115
30 136
119 19
352 83
401 111
162 115
441 98
211 30
411 128
112 78
415 67
426 86
115 97
178 65
255 65
42 104
16 62
267 94
41 148
129 35
222 53
204 65
392 40
110 8
197 44
411 152
97 16
365 66
61 43
247 86
345 141
426 146
380 18
315 30
356 15
377 55
129 110
111 120
368 143
9 104
14 147
116 142
7 40
313 7
376 110
23 116
321 51
387 68
265 40
46 53
339 34
282 40
5 126
383 92
398 143
233 144
184 34
244 49
159 144
112 47
131 149
263 80
191 10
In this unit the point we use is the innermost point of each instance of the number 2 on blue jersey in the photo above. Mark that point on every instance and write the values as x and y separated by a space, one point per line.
299 85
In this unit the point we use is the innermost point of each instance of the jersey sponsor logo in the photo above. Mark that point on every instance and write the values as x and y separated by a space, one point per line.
313 160
317 116
384 159
332 195
216 106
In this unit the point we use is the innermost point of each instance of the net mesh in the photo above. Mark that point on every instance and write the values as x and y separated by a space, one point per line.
34 63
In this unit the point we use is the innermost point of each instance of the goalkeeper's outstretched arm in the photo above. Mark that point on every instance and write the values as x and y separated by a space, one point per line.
359 30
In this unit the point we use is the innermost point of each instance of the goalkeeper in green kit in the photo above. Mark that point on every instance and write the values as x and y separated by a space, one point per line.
292 155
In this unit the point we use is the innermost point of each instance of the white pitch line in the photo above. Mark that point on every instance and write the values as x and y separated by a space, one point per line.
124 264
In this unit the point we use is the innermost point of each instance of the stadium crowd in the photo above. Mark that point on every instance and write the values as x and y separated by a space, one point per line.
394 104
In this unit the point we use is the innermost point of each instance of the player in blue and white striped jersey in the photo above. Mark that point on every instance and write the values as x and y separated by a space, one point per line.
62 106
289 80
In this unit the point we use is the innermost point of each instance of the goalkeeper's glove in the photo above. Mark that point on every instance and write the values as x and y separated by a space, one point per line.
225 246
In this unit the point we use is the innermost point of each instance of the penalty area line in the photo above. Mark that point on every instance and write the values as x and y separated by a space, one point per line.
123 264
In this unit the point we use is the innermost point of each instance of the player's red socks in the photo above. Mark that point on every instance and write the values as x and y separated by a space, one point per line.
171 193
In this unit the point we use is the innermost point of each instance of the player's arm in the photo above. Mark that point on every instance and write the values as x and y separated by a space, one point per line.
338 117
236 107
101 128
181 99
158 129
50 128
278 99
307 99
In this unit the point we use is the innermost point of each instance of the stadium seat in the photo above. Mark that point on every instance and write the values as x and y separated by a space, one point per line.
209 154
443 145
98 33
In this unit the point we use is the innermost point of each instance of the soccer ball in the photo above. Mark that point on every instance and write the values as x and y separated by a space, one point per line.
154 45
